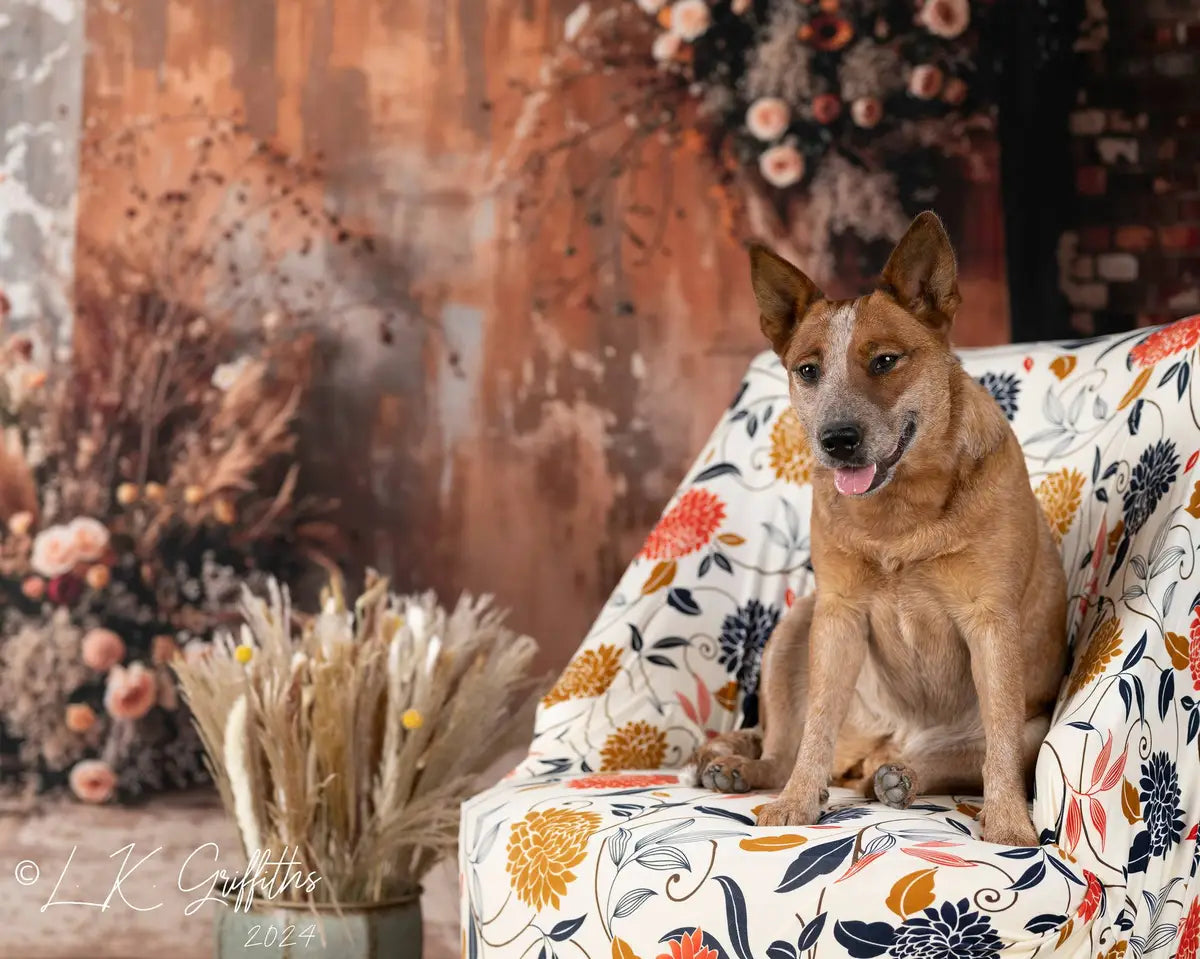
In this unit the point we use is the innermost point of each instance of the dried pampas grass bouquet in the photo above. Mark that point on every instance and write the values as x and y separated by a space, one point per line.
350 738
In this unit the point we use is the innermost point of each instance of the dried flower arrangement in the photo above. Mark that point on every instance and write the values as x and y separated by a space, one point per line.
846 114
351 737
149 474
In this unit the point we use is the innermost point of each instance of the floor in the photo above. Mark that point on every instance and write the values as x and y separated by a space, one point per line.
86 882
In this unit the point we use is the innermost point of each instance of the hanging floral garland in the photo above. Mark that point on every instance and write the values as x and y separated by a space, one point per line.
851 108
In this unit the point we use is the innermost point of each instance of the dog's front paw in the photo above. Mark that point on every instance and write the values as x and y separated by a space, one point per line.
790 812
1006 830
895 785
726 774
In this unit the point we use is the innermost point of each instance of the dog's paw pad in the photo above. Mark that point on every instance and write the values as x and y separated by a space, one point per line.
894 785
726 776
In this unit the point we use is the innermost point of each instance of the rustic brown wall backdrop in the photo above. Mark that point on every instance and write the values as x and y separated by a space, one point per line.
509 439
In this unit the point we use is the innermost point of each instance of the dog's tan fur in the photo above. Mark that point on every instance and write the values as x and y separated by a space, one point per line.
931 653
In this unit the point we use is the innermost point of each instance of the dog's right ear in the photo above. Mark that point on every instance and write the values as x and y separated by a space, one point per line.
783 294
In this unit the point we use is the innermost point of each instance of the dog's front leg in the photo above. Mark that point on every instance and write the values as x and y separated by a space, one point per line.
993 636
837 647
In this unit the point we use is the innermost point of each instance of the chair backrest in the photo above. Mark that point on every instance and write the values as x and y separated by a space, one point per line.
1111 433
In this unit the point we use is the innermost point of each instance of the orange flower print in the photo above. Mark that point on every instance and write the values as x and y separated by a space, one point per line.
791 457
1102 649
623 781
636 745
685 527
588 675
1092 897
1189 932
689 947
1116 951
1179 336
543 848
1060 494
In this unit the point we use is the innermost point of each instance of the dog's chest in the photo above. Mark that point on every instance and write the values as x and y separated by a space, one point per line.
917 664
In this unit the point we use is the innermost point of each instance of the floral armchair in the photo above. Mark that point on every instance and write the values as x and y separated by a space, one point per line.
599 846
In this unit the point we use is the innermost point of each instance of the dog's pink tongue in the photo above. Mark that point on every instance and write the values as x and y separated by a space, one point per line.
853 482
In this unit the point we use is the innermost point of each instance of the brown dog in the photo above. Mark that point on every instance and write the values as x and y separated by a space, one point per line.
930 656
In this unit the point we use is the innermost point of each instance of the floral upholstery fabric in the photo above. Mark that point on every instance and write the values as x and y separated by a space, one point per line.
597 846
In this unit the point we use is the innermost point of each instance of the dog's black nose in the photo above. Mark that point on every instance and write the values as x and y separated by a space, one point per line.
840 442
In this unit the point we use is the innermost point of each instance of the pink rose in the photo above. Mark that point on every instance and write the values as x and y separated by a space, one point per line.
89 538
768 118
666 46
93 781
955 91
781 166
130 692
866 112
690 19
826 107
945 18
925 82
53 551
102 649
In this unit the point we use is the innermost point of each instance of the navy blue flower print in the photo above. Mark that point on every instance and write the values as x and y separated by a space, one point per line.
744 633
1151 479
956 931
1004 388
1160 803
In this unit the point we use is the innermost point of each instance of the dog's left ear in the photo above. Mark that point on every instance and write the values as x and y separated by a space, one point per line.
921 274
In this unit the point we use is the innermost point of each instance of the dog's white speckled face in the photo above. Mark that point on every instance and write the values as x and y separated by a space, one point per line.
855 367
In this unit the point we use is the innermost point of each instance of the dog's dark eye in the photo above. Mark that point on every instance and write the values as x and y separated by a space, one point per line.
883 363
807 372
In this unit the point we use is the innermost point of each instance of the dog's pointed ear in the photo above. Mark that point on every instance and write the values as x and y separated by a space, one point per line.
783 293
921 274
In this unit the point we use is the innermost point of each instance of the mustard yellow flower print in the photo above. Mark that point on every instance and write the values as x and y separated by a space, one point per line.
589 674
636 745
1102 649
1060 495
791 458
543 848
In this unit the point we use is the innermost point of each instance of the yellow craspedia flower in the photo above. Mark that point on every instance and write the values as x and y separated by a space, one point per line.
243 654
412 719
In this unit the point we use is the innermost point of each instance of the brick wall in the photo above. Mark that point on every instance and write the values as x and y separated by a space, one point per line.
1134 258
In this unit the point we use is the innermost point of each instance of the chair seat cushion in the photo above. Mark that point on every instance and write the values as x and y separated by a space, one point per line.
633 864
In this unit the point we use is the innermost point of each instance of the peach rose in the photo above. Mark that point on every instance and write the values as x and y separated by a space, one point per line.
666 46
690 19
739 7
945 18
768 118
98 576
80 717
955 91
130 692
53 551
34 587
93 781
20 523
89 536
781 166
925 82
826 107
102 649
866 112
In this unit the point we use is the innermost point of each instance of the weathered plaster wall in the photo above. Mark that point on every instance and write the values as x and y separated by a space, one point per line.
41 73
541 397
